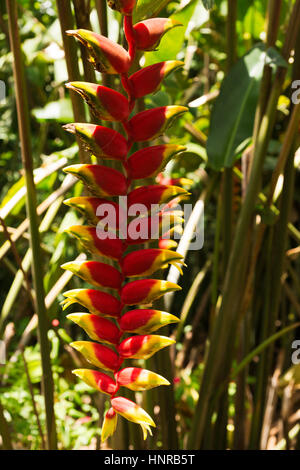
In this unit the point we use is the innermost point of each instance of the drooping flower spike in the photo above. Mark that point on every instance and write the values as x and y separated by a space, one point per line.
115 331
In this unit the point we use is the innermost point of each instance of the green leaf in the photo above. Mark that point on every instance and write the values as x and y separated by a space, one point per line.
148 8
208 4
172 42
234 110
60 111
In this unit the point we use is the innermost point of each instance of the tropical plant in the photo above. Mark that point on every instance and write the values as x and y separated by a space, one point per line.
107 236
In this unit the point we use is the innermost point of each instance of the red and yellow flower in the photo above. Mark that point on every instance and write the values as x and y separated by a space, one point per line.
126 334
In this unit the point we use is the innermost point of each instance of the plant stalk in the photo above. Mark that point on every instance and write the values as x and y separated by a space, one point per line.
232 286
37 263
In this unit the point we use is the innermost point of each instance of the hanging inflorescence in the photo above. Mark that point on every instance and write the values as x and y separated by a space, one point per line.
110 319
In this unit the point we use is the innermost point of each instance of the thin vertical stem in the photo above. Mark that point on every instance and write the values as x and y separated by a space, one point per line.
67 22
231 33
82 15
37 263
101 7
273 23
227 176
226 320
5 431
30 387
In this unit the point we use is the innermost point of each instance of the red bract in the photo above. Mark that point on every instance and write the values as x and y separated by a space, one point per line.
147 162
153 122
146 218
104 54
97 242
149 79
146 262
104 102
98 380
145 321
98 274
97 210
154 195
101 141
98 355
99 329
99 303
101 180
148 33
145 291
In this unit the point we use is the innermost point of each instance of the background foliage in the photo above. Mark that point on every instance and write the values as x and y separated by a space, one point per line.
218 134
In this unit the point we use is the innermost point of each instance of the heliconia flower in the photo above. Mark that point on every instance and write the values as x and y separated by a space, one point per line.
123 6
145 291
138 379
96 273
149 210
145 163
99 329
148 33
90 239
153 122
104 102
97 302
147 262
100 180
149 79
103 142
98 355
146 229
144 321
167 244
102 382
90 206
143 346
133 412
109 424
105 55
161 179
155 195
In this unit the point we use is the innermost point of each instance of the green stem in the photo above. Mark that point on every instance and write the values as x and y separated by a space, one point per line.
255 352
219 346
261 378
37 263
216 257
228 172
82 15
273 18
231 33
67 22
30 387
101 7
5 431
227 214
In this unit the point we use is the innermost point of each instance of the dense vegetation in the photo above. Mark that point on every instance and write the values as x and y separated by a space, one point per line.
234 371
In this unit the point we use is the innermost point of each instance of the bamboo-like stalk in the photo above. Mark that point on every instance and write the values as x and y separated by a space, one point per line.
228 173
30 387
273 23
5 431
225 215
101 8
82 15
18 260
37 271
66 23
278 250
214 367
